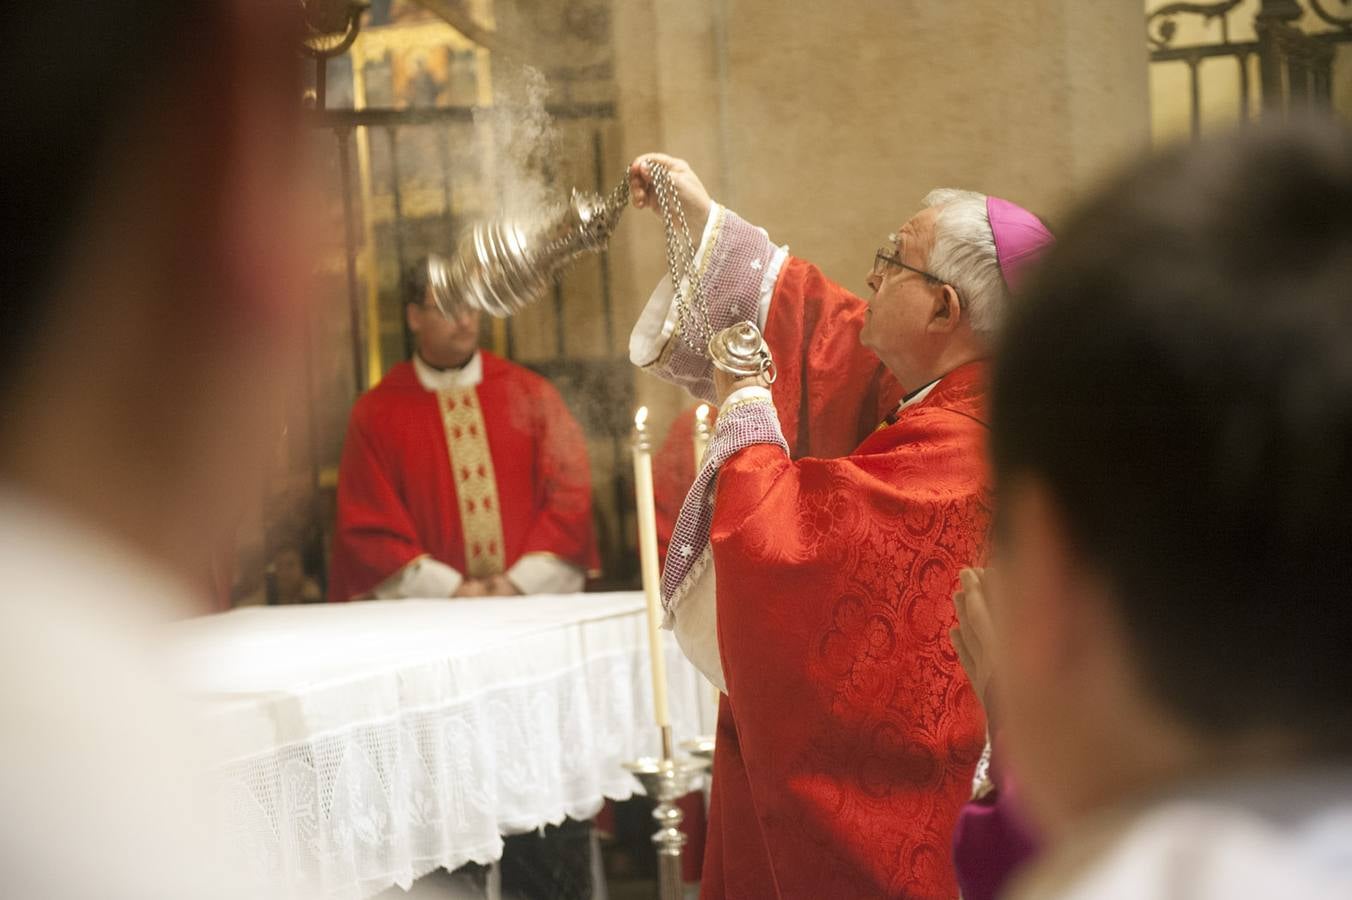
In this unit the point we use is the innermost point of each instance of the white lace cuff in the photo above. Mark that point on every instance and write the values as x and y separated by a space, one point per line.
738 269
745 395
657 322
545 573
423 577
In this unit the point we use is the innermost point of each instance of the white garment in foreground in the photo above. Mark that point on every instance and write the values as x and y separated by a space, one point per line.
1272 838
99 772
365 744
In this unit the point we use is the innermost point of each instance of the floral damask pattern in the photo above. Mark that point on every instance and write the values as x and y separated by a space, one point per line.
858 728
848 733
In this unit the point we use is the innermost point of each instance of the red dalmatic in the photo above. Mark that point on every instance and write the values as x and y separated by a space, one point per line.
848 734
474 478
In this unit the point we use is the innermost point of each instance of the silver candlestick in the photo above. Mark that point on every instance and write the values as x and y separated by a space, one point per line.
667 780
702 748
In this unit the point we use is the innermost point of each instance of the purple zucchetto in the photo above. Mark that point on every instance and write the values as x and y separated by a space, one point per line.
1020 238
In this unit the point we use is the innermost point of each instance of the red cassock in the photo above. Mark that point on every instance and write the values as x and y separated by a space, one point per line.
475 478
849 734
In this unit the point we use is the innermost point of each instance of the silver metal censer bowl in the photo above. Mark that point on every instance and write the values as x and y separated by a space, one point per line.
502 266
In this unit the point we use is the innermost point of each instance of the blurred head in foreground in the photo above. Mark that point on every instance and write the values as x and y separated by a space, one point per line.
150 311
1172 438
152 300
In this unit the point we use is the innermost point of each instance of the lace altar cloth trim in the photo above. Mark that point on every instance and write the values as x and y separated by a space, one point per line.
433 779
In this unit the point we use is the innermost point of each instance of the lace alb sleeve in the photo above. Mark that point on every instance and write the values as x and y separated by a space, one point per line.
738 267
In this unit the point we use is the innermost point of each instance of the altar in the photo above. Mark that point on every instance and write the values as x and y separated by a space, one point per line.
362 745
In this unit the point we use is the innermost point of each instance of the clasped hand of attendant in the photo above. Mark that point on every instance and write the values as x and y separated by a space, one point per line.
974 636
494 586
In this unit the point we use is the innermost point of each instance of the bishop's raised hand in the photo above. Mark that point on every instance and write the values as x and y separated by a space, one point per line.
694 197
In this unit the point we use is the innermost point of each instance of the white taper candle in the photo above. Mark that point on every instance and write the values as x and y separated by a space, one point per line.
647 554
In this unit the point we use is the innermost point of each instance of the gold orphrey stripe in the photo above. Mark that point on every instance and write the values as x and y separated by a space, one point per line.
476 484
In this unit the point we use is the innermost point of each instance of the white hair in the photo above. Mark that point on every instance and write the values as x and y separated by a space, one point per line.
964 256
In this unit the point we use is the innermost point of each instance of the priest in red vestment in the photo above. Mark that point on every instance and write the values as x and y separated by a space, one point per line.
462 475
814 584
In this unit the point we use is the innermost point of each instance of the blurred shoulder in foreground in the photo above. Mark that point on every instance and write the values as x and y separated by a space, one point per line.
152 301
1172 443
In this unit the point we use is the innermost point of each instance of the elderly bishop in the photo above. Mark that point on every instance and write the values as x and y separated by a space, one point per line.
812 565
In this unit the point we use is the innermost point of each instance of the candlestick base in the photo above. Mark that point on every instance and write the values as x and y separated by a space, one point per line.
701 747
666 781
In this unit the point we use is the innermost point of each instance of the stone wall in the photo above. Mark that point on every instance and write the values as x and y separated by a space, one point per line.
827 122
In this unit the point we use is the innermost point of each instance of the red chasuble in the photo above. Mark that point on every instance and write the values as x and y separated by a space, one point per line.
849 734
474 478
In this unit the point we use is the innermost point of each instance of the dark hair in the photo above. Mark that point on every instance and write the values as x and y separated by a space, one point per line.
415 279
73 72
1179 374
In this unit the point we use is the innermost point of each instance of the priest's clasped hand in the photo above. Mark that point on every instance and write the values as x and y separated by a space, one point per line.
694 197
494 586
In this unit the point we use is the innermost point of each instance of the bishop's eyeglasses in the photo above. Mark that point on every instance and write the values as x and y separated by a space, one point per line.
887 255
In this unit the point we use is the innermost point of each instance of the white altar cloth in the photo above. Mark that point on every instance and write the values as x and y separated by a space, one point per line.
365 744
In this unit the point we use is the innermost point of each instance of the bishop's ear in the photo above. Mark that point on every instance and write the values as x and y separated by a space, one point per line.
947 311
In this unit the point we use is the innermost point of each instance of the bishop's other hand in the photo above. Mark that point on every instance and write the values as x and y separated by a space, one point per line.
725 383
694 197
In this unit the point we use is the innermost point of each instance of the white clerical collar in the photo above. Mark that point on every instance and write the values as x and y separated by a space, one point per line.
910 399
919 395
467 376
